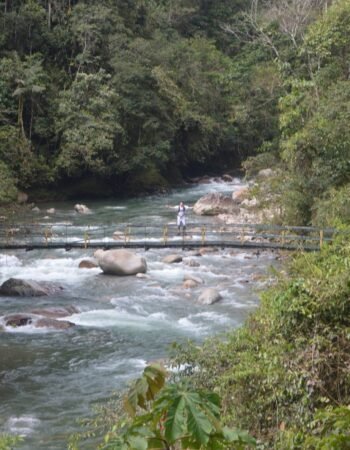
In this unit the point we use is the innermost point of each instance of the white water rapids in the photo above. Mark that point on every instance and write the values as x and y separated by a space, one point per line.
48 378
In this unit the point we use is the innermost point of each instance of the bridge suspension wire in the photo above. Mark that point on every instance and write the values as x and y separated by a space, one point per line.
31 236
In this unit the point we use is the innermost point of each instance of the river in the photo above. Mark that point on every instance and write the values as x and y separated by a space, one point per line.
49 379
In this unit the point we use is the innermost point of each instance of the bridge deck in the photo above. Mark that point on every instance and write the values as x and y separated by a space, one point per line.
63 236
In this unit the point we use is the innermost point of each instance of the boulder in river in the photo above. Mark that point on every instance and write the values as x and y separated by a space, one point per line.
214 204
17 320
171 259
120 262
240 195
227 178
191 277
87 264
204 250
51 211
209 296
16 287
55 312
22 320
53 324
189 284
82 209
191 263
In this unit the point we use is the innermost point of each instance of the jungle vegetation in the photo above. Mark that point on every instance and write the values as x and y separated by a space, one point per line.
120 96
112 90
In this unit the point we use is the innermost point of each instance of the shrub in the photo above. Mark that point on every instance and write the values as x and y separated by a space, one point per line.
8 190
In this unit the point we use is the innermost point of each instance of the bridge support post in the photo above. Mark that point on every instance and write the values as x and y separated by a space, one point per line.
47 235
86 240
165 234
127 234
321 238
204 232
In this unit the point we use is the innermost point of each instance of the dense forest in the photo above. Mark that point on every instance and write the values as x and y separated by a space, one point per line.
120 96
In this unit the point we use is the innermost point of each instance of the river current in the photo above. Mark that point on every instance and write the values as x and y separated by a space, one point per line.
49 379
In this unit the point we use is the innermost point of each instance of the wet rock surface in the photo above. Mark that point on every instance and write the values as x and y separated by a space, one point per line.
16 287
120 262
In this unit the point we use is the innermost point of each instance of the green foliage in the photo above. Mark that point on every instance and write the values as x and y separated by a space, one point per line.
177 417
329 430
8 442
332 207
289 360
8 190
88 125
113 88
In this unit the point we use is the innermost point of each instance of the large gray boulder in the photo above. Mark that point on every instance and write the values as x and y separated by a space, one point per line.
214 204
120 262
15 287
209 296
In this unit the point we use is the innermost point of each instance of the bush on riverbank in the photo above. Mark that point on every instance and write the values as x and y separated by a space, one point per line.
8 190
8 442
285 374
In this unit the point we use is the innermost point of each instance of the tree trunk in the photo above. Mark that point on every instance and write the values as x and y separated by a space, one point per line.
49 14
31 118
20 115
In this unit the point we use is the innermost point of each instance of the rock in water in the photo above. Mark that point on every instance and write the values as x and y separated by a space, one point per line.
87 264
55 312
171 259
214 204
15 287
189 284
82 209
209 296
21 320
120 262
191 277
17 320
54 324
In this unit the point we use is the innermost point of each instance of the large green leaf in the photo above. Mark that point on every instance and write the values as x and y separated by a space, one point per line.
175 419
145 388
138 443
198 424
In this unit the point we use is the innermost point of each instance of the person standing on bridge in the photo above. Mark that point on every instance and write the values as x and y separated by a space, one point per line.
181 217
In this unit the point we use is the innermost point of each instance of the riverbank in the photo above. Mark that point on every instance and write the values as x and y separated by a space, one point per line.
284 374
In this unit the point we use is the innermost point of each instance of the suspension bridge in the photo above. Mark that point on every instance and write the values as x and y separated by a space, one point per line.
256 236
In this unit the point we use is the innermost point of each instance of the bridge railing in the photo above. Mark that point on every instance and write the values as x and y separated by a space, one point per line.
127 234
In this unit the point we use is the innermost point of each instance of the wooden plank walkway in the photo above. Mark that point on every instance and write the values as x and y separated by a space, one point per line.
257 236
